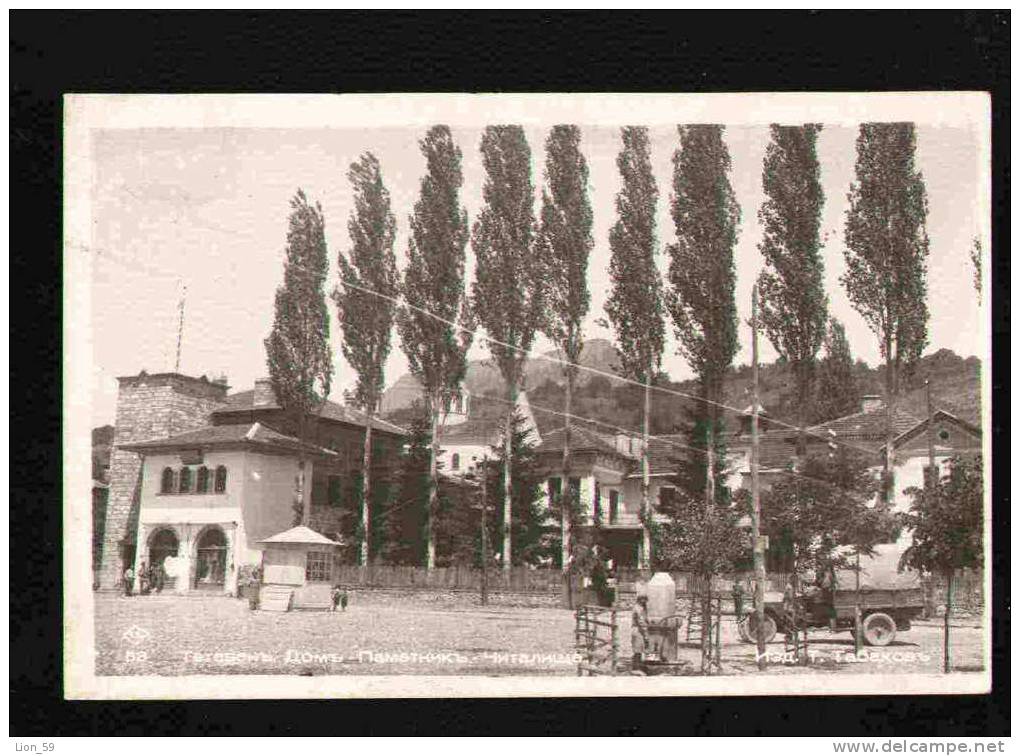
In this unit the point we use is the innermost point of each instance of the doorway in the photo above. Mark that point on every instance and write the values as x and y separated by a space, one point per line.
211 561
162 544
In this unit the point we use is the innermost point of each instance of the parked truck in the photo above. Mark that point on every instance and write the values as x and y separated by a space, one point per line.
889 601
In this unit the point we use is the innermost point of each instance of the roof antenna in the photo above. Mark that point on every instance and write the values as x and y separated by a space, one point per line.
180 326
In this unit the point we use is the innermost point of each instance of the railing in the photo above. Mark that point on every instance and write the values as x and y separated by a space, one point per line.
596 640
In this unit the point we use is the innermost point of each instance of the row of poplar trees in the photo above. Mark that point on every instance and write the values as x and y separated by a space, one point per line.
531 277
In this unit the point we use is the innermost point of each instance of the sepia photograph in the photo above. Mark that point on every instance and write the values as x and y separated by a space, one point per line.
416 395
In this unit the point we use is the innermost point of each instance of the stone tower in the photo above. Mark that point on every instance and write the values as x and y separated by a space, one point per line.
148 407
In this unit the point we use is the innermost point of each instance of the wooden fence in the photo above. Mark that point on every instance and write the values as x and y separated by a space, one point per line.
517 579
967 588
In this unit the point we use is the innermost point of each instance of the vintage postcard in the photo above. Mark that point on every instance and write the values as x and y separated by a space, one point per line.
473 395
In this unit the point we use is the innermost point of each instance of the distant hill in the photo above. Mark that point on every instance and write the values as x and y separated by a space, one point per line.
955 387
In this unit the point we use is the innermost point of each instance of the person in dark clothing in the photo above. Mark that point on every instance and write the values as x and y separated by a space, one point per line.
129 579
339 597
639 630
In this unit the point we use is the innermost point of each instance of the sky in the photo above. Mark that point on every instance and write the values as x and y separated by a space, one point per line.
204 210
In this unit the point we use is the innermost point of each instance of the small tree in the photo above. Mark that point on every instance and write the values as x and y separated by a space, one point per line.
793 301
886 255
530 517
406 520
297 349
635 302
947 524
837 392
507 293
366 319
704 539
564 245
435 329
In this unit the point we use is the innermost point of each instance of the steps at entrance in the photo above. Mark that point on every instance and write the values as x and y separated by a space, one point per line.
275 598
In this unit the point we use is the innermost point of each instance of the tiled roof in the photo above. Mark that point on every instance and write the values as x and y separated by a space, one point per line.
665 453
255 435
581 439
867 427
940 415
301 535
244 401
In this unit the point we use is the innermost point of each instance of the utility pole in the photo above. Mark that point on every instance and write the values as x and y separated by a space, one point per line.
758 544
485 532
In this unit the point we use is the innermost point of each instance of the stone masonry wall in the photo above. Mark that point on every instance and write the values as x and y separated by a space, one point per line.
148 407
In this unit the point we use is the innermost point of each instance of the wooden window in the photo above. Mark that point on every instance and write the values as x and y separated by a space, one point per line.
166 481
455 461
614 505
202 480
318 567
597 503
221 479
554 486
185 480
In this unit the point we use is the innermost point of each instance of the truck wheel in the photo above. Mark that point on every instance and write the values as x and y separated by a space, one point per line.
879 629
769 628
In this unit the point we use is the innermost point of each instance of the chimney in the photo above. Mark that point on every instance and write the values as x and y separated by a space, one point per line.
264 396
871 403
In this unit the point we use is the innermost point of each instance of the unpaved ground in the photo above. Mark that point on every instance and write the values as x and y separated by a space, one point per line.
436 634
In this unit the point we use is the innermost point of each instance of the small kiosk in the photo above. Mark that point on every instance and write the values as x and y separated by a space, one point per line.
298 570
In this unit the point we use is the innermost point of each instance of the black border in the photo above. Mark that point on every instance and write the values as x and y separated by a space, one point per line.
54 53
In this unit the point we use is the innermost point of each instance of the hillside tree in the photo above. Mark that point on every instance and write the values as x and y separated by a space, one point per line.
886 256
366 301
507 290
836 394
297 349
793 301
435 326
635 305
564 246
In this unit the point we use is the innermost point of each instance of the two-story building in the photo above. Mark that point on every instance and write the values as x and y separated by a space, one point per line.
606 470
203 477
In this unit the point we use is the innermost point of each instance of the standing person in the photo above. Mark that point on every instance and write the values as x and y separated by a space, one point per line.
143 579
639 630
129 579
160 577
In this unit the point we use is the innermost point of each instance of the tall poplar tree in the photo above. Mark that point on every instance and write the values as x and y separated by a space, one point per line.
635 303
365 318
297 348
886 255
793 300
433 286
700 299
508 283
564 246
